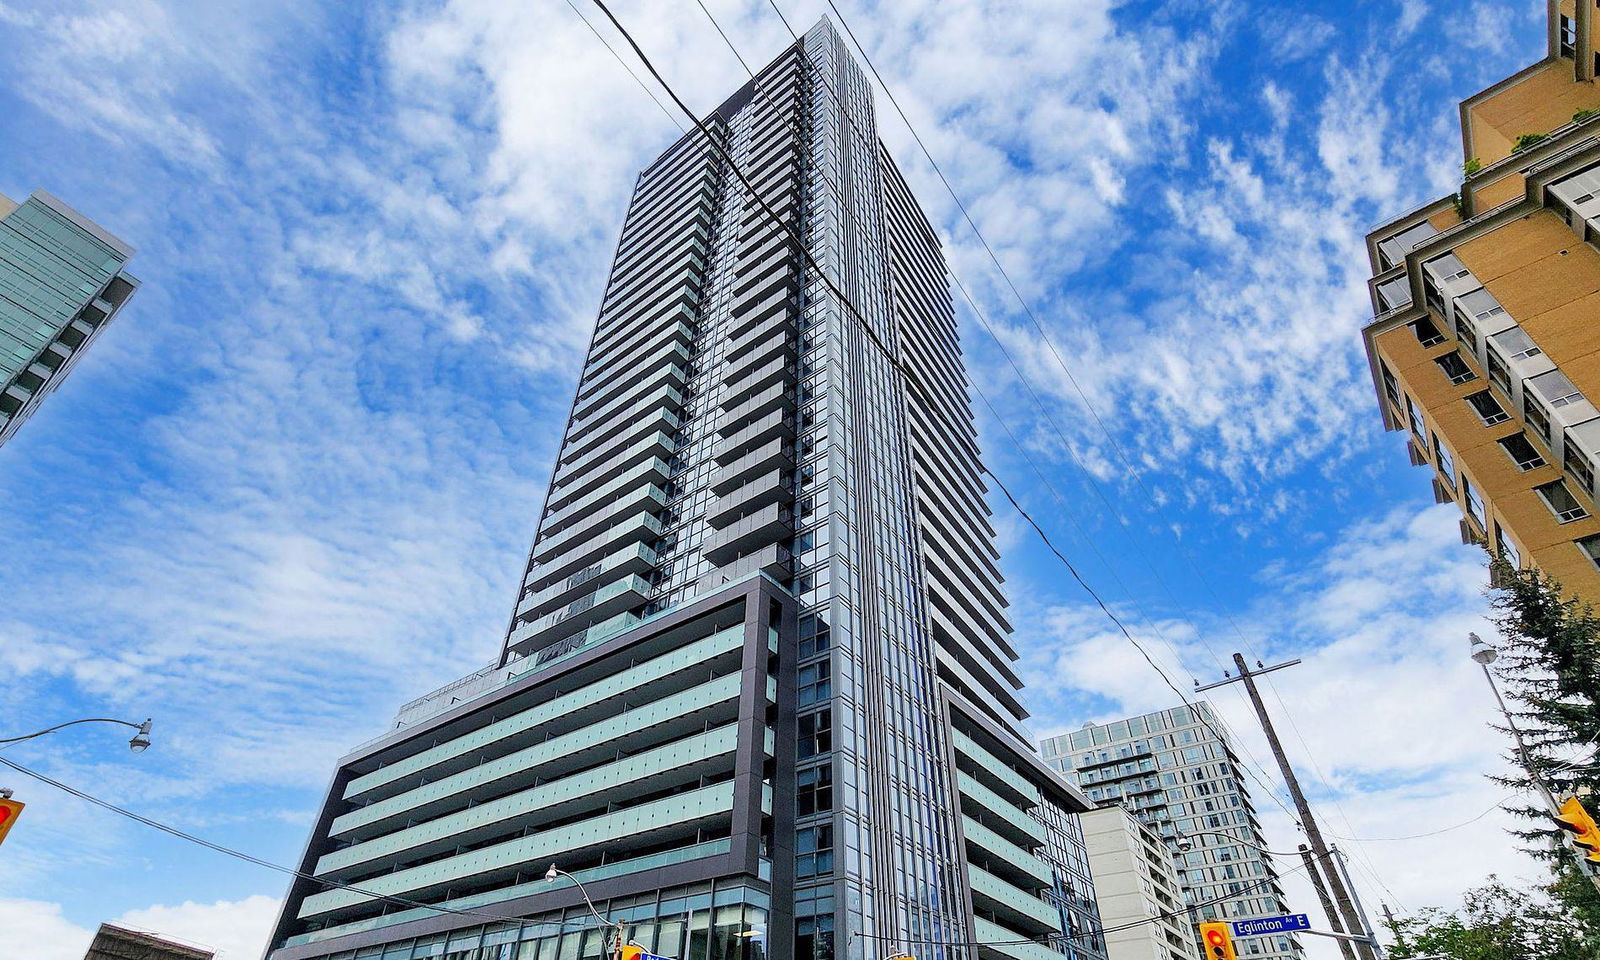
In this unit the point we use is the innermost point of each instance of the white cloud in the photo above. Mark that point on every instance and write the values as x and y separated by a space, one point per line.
233 929
1386 718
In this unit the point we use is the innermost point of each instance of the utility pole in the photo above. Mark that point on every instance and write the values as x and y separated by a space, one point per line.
1341 895
1327 901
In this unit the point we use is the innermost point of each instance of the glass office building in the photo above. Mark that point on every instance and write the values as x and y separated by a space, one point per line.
61 284
1176 771
758 692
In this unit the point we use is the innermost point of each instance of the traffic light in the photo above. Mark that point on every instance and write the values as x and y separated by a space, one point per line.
1218 941
9 809
1583 831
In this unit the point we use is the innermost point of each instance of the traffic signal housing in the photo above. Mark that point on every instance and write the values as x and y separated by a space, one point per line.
1218 939
9 809
1581 829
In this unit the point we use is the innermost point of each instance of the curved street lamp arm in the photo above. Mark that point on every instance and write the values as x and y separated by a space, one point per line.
582 892
141 727
1240 841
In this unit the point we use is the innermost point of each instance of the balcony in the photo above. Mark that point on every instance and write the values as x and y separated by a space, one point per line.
661 820
614 416
770 523
775 454
634 559
998 813
779 396
646 496
601 605
775 560
606 403
761 305
631 489
759 491
1017 908
761 338
681 332
578 794
778 423
523 637
744 382
575 552
675 351
655 413
1005 859
604 465
652 681
993 774
998 943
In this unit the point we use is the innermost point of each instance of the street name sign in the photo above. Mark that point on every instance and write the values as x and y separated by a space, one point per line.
1264 925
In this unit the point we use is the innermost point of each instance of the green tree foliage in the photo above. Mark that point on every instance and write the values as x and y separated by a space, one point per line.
1496 922
1550 667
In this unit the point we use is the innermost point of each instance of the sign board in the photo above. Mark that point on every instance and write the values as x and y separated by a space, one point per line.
8 815
635 952
1265 925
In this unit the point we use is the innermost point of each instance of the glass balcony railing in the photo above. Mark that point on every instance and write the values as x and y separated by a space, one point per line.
1020 827
1017 906
682 811
1005 943
564 797
992 769
654 861
631 679
1023 864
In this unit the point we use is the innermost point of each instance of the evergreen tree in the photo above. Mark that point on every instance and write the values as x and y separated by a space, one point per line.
1550 668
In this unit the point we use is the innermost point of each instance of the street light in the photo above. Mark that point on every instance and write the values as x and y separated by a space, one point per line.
1186 842
556 872
1485 654
138 743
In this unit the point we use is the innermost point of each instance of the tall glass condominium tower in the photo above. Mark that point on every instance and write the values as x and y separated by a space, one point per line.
757 694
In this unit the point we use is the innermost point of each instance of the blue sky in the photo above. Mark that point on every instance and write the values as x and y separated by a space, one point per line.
292 486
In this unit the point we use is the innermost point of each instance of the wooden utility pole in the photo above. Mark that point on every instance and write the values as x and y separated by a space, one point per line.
1325 865
1327 901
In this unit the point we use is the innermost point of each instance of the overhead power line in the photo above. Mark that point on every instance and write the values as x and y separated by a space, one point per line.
268 864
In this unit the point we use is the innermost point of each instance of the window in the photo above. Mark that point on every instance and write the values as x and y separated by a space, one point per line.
1427 334
1578 464
816 733
1561 502
1590 546
1488 408
1482 307
813 851
1394 293
1390 387
815 683
1538 420
815 634
1568 31
814 790
1447 463
1498 372
1456 368
1517 344
1521 451
1506 548
1556 388
1416 419
1473 499
1467 333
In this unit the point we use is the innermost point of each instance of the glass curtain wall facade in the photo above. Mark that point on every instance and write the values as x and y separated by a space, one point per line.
1171 771
757 692
61 284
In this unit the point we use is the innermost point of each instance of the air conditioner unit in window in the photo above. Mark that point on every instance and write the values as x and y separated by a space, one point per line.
1500 574
1419 456
1442 493
1468 536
